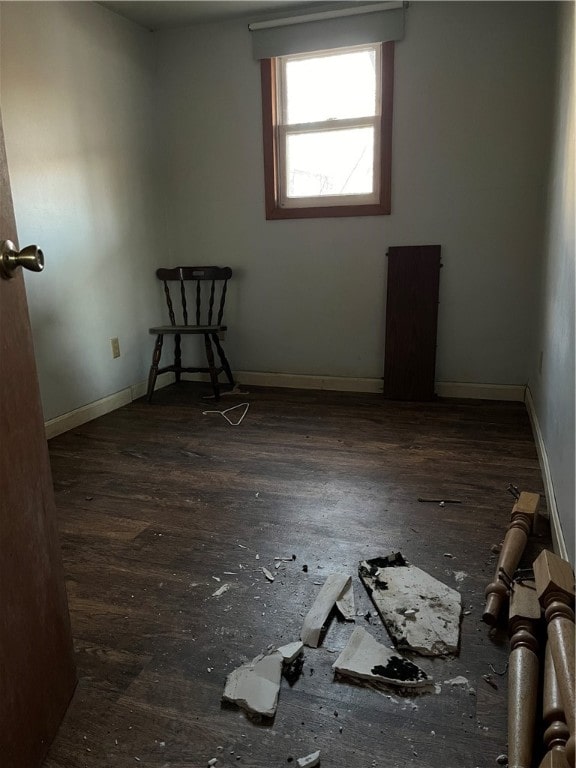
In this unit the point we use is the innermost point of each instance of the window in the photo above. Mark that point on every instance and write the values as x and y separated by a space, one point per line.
327 118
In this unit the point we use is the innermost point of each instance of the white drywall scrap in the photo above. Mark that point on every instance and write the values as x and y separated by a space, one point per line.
337 590
310 761
364 658
421 613
345 603
254 687
291 651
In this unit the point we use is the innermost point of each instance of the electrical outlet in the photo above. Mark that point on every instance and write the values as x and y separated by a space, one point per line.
115 347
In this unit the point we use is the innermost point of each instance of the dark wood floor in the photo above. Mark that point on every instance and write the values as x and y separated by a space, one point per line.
157 501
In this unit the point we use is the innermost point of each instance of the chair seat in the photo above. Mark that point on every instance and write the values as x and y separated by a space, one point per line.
182 329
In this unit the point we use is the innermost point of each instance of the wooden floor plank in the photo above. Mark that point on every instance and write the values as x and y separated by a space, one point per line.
157 502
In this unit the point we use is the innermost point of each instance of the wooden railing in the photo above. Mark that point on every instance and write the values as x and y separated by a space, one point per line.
523 674
555 588
556 732
521 524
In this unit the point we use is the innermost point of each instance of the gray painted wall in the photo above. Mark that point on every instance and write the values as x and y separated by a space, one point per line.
552 371
471 136
76 93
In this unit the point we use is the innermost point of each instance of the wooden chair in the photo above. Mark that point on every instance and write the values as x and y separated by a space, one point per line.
208 286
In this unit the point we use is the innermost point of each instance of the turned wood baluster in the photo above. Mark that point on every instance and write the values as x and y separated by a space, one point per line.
556 734
523 674
521 522
555 588
554 759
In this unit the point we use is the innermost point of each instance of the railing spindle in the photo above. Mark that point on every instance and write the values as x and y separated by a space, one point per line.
521 523
525 614
555 588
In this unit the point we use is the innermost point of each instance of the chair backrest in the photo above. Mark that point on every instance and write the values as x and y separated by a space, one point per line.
209 286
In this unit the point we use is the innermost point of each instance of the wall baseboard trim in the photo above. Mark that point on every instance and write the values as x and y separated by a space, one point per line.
558 541
303 381
110 403
140 389
79 416
473 391
470 390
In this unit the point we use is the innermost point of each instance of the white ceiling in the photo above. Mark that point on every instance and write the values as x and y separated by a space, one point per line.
164 14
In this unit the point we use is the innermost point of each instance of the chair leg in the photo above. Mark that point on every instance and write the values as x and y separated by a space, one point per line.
211 366
156 355
223 360
177 358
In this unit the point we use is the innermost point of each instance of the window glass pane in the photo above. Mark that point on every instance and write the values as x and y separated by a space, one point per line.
331 87
330 163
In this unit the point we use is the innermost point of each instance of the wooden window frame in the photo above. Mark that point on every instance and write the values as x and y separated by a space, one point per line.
270 143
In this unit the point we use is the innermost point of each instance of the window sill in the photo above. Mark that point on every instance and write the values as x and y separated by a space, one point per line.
323 212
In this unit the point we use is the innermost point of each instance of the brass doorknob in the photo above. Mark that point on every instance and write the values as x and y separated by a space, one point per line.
30 258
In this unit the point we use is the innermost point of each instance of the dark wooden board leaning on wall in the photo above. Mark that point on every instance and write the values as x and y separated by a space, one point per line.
411 322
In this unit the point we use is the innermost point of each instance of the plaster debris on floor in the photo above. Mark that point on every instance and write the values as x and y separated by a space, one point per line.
460 575
345 603
421 613
291 651
365 659
332 591
292 670
460 682
309 761
267 573
219 592
254 687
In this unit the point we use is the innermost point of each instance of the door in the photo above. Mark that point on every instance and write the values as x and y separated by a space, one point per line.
37 674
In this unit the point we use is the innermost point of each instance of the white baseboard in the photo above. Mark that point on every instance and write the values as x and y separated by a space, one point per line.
75 418
140 389
558 541
510 392
98 408
514 392
303 381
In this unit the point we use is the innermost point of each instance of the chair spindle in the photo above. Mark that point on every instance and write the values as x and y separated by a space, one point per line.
169 303
211 302
222 301
198 303
184 304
